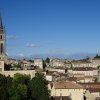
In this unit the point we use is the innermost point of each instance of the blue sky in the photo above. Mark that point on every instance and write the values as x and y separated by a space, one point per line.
36 27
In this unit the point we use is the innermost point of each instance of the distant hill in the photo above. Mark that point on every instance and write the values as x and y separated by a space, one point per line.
71 56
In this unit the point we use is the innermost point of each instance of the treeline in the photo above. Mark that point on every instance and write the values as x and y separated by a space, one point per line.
97 56
22 87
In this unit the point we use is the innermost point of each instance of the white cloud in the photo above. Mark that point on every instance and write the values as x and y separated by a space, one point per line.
31 45
11 37
23 55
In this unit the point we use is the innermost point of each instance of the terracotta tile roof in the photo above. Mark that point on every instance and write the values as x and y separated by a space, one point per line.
66 85
89 77
92 87
72 79
80 78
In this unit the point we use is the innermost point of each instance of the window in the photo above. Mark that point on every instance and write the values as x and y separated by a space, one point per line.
60 94
1 48
0 36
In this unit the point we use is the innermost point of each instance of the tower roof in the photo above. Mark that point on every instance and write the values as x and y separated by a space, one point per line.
1 24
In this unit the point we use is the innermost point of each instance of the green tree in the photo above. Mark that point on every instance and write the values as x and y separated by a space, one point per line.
3 88
47 60
72 67
22 90
17 65
97 56
38 87
19 78
98 67
19 89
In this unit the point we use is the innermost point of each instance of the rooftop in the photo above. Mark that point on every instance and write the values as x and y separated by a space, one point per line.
66 85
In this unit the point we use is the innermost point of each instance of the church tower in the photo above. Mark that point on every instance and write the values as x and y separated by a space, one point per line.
2 40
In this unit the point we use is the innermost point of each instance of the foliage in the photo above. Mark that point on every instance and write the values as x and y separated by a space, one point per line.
39 91
3 88
98 67
72 68
47 60
97 56
22 87
45 63
17 65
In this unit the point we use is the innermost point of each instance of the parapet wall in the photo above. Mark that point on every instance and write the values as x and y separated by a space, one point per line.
24 72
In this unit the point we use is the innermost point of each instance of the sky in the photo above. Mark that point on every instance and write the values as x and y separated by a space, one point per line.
51 27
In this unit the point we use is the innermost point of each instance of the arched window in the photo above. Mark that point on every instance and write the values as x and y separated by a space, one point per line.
1 48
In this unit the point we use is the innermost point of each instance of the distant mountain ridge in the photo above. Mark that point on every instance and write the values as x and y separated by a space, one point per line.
65 56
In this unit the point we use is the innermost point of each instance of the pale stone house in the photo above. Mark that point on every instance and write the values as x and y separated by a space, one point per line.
1 65
12 61
92 91
60 70
55 76
68 64
95 62
85 71
26 63
49 75
81 63
82 79
57 62
66 89
38 62
86 79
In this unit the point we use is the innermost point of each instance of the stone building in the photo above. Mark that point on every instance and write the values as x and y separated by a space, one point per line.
38 62
2 45
56 62
66 89
3 56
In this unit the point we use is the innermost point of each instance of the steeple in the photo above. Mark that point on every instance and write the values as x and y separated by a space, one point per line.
1 24
2 40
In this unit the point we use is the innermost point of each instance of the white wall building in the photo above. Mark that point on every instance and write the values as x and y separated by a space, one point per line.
70 89
90 72
56 62
38 62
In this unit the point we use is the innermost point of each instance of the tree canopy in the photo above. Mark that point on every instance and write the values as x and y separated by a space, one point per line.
97 56
22 87
47 60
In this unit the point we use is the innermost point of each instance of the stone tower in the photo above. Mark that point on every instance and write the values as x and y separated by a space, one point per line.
2 45
2 40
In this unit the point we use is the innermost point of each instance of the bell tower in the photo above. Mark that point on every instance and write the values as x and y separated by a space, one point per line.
2 40
2 45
